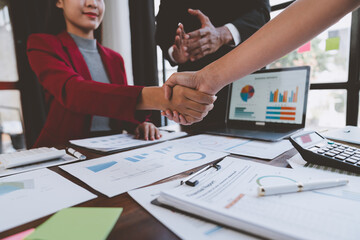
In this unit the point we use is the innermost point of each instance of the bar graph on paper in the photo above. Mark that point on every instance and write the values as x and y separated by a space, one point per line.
8 187
285 96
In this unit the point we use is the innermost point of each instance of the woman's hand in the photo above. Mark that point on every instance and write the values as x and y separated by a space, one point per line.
146 131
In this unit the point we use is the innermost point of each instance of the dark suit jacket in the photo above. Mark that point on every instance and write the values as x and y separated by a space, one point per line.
72 97
246 15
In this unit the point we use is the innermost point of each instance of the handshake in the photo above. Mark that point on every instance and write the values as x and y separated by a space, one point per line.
184 98
189 98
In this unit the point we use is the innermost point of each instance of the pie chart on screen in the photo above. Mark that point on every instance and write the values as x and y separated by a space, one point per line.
247 92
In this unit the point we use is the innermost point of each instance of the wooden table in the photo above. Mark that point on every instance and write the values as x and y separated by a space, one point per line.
135 222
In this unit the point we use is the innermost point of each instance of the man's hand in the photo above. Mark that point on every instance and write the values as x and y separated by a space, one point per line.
180 54
147 131
207 39
192 80
192 105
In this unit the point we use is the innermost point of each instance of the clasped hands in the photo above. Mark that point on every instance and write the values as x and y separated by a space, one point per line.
193 46
199 43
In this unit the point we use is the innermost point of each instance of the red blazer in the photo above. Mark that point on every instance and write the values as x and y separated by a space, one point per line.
71 96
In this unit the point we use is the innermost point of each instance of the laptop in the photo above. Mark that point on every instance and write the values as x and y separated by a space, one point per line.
267 105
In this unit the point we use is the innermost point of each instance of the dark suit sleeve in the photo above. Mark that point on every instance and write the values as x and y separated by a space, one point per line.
251 21
167 21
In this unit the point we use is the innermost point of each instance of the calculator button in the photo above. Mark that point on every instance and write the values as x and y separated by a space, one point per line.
329 142
320 145
330 154
325 149
357 155
351 160
347 152
340 157
341 148
313 149
355 158
320 151
345 155
334 151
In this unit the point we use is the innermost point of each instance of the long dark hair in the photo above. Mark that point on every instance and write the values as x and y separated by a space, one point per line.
55 22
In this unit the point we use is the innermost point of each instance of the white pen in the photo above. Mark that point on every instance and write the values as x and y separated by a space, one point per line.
299 187
76 154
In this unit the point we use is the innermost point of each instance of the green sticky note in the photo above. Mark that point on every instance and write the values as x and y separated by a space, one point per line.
78 223
332 44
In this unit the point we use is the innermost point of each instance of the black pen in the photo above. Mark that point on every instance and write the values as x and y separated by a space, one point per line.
195 182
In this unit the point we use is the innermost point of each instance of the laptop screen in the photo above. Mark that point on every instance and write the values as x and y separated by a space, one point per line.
272 96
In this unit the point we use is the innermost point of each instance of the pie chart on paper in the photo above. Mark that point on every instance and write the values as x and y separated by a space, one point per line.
247 92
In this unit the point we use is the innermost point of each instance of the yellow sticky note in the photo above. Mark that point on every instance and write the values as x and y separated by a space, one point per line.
332 44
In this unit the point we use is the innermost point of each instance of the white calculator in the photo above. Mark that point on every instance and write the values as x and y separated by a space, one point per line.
26 157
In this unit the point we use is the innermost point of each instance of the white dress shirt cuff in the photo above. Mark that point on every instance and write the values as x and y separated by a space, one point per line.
170 51
235 34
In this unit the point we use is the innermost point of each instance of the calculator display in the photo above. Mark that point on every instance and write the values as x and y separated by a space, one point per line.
308 139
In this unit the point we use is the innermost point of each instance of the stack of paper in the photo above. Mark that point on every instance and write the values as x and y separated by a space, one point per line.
184 226
229 196
122 141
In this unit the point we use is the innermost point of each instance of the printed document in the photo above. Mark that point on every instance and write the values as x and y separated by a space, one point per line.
229 196
119 173
28 196
122 141
239 146
184 226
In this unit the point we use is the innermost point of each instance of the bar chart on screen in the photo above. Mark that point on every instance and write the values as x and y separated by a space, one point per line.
276 96
280 113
